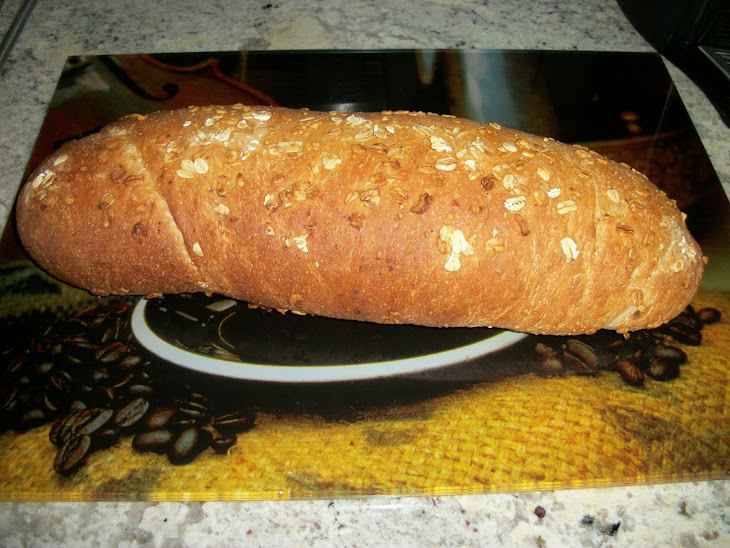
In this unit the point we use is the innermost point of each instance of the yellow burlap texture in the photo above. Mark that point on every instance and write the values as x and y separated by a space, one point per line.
513 434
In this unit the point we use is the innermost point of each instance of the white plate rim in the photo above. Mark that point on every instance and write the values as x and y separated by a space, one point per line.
313 373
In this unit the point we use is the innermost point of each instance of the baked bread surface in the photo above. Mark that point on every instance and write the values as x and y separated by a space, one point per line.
390 217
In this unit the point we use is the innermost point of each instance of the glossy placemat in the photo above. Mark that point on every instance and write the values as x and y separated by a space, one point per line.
542 413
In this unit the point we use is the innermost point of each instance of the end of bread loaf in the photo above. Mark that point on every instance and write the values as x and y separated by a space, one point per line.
390 217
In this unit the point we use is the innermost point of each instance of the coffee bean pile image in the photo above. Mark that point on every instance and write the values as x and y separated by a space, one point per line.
641 354
86 375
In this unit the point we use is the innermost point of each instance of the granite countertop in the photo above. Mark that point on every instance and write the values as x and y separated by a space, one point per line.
682 514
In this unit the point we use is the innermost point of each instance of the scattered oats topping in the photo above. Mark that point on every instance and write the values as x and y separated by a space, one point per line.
355 120
439 144
209 122
423 129
516 203
399 194
187 169
613 195
543 173
678 265
570 249
364 135
470 164
459 246
200 166
477 147
106 201
197 249
637 297
261 115
446 164
508 181
290 147
567 206
494 245
186 123
44 179
223 135
331 161
301 242
370 197
509 147
686 249
222 209
553 192
61 159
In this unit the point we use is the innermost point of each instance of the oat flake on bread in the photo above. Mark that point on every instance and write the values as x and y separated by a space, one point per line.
389 217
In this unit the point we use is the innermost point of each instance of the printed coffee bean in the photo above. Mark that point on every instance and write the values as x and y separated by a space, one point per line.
139 390
579 358
630 373
187 410
111 352
199 398
80 342
583 352
98 419
236 422
99 375
545 350
130 361
80 419
188 444
195 405
78 404
709 315
551 367
663 370
155 441
72 454
132 413
61 381
160 417
62 429
50 405
124 381
222 443
669 353
15 365
45 367
183 423
85 376
683 333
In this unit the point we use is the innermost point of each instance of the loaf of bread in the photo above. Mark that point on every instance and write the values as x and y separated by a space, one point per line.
389 217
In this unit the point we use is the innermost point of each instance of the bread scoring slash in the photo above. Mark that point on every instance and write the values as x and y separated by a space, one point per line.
388 217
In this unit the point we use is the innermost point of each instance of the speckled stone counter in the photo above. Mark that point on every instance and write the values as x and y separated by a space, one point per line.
683 514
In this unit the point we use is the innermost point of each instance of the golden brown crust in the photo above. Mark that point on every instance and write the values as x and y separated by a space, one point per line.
383 217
